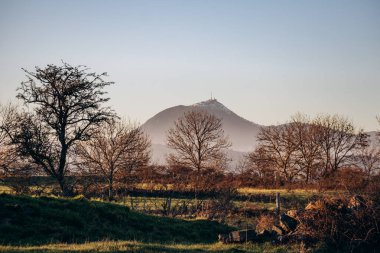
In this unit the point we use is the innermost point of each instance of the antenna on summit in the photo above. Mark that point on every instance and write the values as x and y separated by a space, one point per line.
211 96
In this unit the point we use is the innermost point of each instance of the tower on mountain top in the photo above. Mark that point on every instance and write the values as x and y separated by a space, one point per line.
212 98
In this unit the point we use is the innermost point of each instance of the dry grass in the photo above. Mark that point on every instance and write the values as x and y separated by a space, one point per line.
6 189
133 246
300 193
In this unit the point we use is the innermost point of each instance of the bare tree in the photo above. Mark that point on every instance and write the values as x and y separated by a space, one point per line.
15 170
369 160
258 168
67 107
7 152
306 148
198 141
114 152
308 153
277 148
338 141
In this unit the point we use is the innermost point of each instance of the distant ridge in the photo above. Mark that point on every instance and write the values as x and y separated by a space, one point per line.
241 132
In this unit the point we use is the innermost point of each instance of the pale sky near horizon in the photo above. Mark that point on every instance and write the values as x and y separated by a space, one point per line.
264 60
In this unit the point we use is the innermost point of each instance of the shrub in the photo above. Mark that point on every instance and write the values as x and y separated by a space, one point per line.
342 223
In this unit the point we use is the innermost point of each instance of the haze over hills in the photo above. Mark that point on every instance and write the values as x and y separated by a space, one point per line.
241 132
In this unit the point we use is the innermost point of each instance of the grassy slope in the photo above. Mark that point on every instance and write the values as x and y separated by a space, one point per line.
34 221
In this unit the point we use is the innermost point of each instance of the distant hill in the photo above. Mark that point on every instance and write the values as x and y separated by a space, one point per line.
241 132
373 138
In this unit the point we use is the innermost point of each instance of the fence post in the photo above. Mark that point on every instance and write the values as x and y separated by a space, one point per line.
278 203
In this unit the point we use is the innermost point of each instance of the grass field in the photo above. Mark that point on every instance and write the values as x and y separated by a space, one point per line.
51 224
134 246
34 221
31 224
298 193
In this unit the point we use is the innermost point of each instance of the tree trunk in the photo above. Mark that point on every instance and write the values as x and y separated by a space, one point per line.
110 189
66 190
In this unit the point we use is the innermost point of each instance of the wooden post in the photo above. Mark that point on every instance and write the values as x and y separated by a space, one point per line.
278 203
169 202
132 207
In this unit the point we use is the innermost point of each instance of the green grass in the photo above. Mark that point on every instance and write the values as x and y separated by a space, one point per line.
35 221
299 193
133 246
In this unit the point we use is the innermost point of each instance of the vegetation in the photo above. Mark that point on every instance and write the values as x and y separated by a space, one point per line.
114 153
141 247
35 221
306 150
198 141
71 143
67 107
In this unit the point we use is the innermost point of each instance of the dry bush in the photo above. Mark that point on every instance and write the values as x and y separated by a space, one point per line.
351 178
342 223
265 222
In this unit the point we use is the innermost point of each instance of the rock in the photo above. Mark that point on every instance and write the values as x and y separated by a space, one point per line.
265 236
225 238
356 202
288 223
315 205
282 239
242 236
278 230
293 213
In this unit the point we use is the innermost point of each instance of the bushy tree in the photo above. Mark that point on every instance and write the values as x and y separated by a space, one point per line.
66 106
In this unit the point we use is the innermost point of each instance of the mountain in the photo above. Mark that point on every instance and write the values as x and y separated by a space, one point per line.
241 132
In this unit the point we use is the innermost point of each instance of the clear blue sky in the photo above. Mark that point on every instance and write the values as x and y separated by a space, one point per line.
265 60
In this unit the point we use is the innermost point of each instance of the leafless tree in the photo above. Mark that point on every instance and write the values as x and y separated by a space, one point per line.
15 170
308 149
7 153
198 141
114 152
258 167
308 153
338 141
369 160
277 148
66 106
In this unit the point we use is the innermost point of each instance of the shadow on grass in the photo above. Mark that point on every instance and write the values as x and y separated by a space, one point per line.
39 221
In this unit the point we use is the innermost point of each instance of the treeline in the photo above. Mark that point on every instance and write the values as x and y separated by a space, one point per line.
65 134
313 151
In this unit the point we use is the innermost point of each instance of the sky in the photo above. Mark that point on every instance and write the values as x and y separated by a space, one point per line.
264 60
